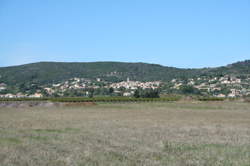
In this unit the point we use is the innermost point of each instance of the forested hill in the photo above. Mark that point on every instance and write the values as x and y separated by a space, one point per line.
48 72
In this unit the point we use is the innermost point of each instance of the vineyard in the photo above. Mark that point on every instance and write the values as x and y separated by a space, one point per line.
110 99
95 99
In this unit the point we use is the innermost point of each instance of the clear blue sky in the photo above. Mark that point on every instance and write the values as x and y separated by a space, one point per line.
180 33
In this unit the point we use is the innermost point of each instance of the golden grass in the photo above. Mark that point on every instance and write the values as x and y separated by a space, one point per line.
175 134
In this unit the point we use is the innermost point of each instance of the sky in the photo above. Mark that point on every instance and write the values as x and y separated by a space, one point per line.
178 33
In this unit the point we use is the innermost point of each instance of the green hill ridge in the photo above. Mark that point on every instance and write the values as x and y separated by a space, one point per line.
52 72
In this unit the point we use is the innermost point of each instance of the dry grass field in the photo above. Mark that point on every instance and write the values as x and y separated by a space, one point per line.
128 134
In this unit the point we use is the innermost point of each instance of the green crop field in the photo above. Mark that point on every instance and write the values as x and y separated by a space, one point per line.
177 133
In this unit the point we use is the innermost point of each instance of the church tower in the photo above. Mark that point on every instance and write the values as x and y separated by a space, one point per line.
127 79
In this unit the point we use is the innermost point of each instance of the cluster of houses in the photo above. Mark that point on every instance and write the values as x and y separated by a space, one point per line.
21 95
71 84
235 86
74 83
82 83
3 86
133 85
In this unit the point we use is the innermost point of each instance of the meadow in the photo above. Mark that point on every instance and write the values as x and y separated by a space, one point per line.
180 133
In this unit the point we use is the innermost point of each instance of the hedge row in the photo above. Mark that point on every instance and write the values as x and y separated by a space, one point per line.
96 99
114 99
211 99
108 99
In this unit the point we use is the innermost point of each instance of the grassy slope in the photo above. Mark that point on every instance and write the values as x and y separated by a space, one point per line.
178 133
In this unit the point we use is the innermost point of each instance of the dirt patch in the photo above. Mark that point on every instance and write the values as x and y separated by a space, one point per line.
247 100
25 104
28 104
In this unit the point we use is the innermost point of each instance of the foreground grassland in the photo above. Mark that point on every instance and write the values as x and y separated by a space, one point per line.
174 134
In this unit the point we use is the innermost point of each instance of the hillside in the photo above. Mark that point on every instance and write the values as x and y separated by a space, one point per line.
47 72
52 72
237 69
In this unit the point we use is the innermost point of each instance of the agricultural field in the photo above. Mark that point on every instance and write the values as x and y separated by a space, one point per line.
179 133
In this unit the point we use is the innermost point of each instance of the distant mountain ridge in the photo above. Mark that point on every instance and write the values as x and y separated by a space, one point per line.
52 72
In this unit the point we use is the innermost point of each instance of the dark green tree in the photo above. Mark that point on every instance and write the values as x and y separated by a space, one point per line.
137 94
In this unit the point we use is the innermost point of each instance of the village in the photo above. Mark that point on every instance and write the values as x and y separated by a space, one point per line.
224 86
124 88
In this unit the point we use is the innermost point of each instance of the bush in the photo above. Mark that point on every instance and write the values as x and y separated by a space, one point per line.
211 99
148 93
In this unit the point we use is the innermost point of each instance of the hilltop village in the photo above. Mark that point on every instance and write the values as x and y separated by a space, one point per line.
224 86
